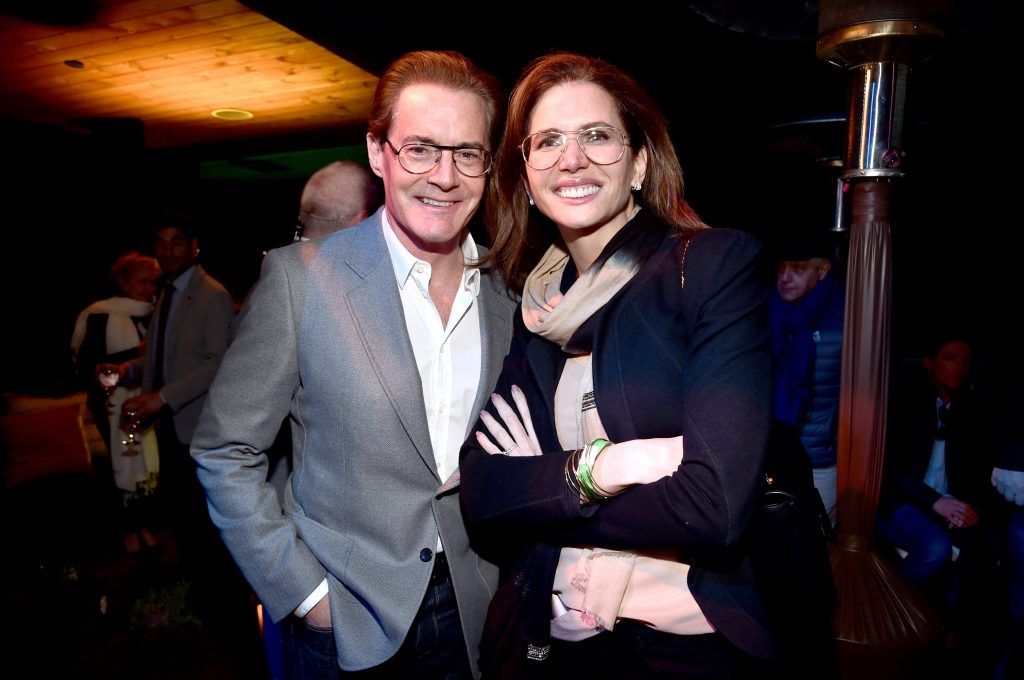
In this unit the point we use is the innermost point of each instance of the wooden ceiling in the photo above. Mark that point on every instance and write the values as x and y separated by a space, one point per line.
170 63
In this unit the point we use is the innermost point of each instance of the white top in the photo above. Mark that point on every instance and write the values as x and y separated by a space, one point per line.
656 591
447 355
935 476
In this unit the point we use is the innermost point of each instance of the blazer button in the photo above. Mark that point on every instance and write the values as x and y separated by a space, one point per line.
425 555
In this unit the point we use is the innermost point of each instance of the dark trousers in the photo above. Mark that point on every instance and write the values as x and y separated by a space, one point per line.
433 648
633 650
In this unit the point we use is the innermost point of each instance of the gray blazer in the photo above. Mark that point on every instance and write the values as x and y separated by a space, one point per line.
194 345
323 342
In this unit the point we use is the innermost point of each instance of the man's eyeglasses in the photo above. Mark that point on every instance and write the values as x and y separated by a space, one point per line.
603 145
420 158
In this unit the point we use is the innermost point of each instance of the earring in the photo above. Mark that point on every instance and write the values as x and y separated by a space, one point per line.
636 186
530 197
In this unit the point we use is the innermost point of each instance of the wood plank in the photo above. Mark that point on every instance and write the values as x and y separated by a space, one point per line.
260 46
147 105
60 76
259 77
292 59
218 31
16 31
182 135
202 12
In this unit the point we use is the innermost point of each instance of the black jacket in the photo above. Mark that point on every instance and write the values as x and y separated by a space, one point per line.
668 359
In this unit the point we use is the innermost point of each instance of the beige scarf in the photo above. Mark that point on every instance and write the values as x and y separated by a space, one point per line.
603 575
555 317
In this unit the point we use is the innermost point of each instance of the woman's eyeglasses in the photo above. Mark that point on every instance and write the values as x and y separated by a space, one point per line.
602 145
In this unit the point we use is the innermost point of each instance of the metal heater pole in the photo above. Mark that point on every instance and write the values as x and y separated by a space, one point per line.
882 625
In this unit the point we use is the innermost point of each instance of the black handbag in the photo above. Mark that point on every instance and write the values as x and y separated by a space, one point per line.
789 551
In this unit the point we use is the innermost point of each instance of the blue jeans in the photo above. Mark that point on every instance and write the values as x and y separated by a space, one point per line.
926 541
433 648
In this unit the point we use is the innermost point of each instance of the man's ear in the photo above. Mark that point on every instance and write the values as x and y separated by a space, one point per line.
373 151
824 269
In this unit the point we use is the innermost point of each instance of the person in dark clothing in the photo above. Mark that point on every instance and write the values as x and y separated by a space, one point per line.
939 506
806 312
936 490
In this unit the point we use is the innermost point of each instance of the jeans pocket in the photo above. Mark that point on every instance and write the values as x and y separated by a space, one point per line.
317 629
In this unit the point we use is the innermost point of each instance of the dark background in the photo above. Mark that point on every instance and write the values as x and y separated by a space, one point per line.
748 113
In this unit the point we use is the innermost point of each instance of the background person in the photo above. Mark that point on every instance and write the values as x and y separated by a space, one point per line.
806 314
337 196
113 331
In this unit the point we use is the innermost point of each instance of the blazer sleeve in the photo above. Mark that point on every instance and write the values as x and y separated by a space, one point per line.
243 413
215 330
724 421
517 492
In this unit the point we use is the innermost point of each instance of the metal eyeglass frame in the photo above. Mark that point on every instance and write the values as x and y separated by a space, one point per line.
439 148
576 137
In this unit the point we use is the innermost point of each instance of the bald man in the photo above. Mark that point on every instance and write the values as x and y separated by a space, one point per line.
340 195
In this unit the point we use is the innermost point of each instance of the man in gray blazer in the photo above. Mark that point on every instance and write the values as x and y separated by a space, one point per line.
380 344
187 338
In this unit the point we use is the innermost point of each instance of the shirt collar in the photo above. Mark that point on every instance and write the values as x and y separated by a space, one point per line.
181 283
404 263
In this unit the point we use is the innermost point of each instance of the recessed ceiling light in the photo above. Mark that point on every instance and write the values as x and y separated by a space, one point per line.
232 114
74 63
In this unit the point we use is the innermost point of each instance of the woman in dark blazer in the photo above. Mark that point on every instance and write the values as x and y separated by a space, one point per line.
640 327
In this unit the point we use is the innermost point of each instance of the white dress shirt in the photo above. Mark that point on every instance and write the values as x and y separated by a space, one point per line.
448 357
935 475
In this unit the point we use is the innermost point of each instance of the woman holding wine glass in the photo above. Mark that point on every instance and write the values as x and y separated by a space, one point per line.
112 331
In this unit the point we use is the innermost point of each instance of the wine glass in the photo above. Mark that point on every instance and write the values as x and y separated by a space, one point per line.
109 378
131 437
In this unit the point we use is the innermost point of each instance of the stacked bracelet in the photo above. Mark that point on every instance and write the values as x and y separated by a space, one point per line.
579 471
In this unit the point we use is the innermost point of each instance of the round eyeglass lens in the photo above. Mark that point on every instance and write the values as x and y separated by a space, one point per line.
420 158
602 145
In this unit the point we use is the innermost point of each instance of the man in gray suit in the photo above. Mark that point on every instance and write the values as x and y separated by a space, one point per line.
380 344
188 334
187 338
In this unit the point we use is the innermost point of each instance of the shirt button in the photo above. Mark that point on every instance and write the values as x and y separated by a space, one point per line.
419 269
426 554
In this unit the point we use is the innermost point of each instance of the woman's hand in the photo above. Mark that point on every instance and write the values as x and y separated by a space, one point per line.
517 438
958 514
638 461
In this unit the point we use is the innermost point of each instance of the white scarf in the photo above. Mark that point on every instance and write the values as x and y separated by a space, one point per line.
122 333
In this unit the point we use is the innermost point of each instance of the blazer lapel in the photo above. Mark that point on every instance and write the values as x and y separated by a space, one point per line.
174 325
377 311
496 308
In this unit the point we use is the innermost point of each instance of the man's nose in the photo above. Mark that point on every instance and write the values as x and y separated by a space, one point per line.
444 175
